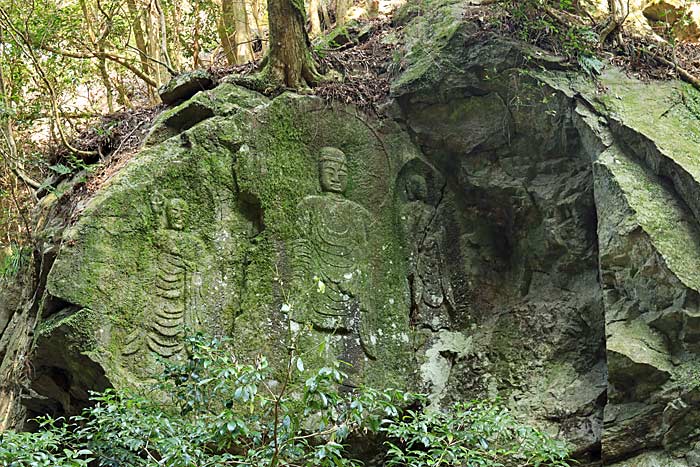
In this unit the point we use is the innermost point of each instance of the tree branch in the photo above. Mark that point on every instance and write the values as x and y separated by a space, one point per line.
22 40
121 60
684 74
172 71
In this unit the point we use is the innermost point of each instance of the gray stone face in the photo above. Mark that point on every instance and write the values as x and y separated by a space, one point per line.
331 253
236 229
581 218
510 192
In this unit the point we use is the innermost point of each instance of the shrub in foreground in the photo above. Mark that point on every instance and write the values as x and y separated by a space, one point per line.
211 410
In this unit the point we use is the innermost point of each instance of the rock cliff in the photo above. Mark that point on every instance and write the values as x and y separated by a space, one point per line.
505 227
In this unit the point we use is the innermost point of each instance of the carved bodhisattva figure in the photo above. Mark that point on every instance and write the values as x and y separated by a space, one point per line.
333 254
177 284
431 293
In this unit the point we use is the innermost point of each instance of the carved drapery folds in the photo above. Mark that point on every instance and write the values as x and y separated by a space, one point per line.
333 268
176 286
432 299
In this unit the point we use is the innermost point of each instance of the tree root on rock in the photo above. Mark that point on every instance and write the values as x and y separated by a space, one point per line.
684 74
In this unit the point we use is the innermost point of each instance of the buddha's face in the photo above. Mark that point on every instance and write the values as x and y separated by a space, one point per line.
416 188
177 214
334 176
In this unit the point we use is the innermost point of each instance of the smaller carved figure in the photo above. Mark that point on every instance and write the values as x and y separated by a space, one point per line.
177 282
431 292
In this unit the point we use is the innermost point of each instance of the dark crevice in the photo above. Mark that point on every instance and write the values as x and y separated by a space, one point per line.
53 305
189 116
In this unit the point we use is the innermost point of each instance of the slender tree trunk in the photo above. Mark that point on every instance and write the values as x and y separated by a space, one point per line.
326 16
152 45
243 38
372 8
234 32
257 11
140 39
7 128
104 74
163 29
314 17
99 43
225 36
90 21
341 11
176 55
196 48
289 62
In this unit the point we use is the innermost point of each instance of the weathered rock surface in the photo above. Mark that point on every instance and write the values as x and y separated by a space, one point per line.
184 86
504 229
570 158
202 232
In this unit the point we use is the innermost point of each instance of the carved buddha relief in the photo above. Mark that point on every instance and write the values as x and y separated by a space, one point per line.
177 283
431 292
334 232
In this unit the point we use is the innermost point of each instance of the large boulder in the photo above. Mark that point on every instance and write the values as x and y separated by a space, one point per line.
225 228
503 229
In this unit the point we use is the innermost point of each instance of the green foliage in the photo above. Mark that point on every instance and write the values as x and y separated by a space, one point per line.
544 23
566 5
46 448
475 433
211 410
14 261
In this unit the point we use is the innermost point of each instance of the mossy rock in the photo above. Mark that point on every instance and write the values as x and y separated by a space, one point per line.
184 86
198 233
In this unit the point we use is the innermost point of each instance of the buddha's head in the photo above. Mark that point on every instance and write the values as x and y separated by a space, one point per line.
176 212
333 170
416 188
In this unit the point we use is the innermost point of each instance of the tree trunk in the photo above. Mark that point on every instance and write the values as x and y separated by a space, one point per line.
257 11
109 92
140 43
163 28
7 130
326 16
224 28
372 8
234 32
196 48
314 17
289 62
341 11
243 37
91 21
151 41
176 55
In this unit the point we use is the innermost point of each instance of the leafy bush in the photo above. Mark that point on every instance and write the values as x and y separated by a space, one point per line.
46 448
211 410
475 433
13 259
553 25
